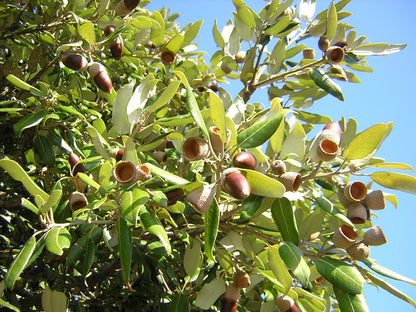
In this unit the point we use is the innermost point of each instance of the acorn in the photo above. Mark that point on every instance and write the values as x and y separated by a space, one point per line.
338 70
125 172
229 300
335 55
174 195
355 191
76 166
374 236
225 68
323 44
201 198
344 236
358 251
341 43
124 7
278 167
245 160
77 201
291 181
357 213
214 87
100 76
116 46
195 148
286 304
74 61
235 184
160 156
241 279
327 150
334 126
309 54
117 153
375 200
168 57
240 56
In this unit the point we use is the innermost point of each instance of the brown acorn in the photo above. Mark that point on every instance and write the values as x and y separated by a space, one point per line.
344 236
174 195
286 304
335 55
215 138
77 201
214 87
74 61
291 181
195 148
338 70
235 184
116 48
125 172
124 7
278 167
117 153
240 56
109 29
245 160
358 251
100 76
168 57
323 44
241 279
341 43
225 68
334 126
309 54
229 300
75 164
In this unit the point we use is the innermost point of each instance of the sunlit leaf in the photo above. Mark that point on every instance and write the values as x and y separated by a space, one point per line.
8 305
263 185
351 302
378 49
28 121
209 293
119 115
152 224
293 258
396 181
100 144
217 113
212 218
166 175
125 247
279 268
57 239
166 95
17 82
277 27
284 218
331 21
372 264
86 31
327 206
323 81
54 300
219 40
192 32
392 166
130 204
53 199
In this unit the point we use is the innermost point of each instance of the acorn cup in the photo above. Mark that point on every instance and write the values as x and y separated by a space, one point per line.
240 56
229 300
117 153
245 160
355 191
344 237
309 54
335 54
278 167
124 7
195 148
174 195
341 43
327 150
201 198
375 200
100 76
374 236
168 57
358 251
125 172
235 184
357 213
242 279
338 70
291 181
160 156
323 44
74 61
77 201
216 142
286 304
143 173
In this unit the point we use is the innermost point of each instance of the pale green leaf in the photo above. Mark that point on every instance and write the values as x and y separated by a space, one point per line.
378 49
120 119
100 144
331 21
217 113
277 27
209 293
219 40
152 224
175 44
53 199
372 264
87 180
86 31
392 166
166 95
192 32
263 185
165 175
293 258
279 268
192 257
396 181
8 305
17 82
57 239
211 222
130 204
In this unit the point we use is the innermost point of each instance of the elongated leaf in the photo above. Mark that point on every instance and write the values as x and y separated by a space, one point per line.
248 68
17 82
331 21
152 224
175 44
28 121
349 302
343 276
100 144
87 256
53 199
386 272
179 303
192 257
259 132
119 115
192 32
130 204
19 263
327 206
396 181
325 82
392 166
279 26
250 206
263 185
19 174
87 180
217 113
209 293
367 142
317 303
166 175
125 247
211 222
57 239
192 103
279 268
378 49
29 205
293 258
166 96
44 149
284 218
8 305
219 40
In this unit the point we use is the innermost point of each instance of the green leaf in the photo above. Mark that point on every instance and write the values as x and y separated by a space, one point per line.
87 256
392 166
87 180
378 49
44 149
17 82
152 224
331 21
293 258
246 16
165 175
19 174
125 248
279 26
165 96
28 121
119 115
343 276
209 293
54 300
312 118
211 222
100 144
192 103
396 181
279 268
367 142
217 113
248 67
349 302
327 206
57 239
325 82
192 257
219 40
29 205
386 272
263 185
283 216
175 44
179 303
130 204
192 32
249 207
86 31
260 131
19 263
8 305
54 198
294 144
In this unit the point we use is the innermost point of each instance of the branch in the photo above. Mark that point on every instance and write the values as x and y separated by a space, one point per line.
229 227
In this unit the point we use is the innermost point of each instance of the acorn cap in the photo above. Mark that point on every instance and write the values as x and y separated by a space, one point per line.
375 200
309 54
215 138
235 184
160 156
195 148
335 55
174 195
240 56
323 44
330 133
374 236
95 68
77 201
358 251
291 181
74 61
278 167
143 173
344 236
342 199
355 191
76 165
245 160
125 172
286 304
168 57
230 299
327 150
201 198
357 213
242 279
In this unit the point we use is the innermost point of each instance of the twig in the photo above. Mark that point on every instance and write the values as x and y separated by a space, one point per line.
229 227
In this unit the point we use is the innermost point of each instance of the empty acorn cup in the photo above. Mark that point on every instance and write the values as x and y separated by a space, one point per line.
201 198
344 236
357 213
168 57
374 236
77 201
291 181
355 191
125 172
375 200
143 173
335 54
215 138
327 150
195 148
358 251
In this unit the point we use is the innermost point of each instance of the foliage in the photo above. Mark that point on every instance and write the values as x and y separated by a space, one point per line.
146 244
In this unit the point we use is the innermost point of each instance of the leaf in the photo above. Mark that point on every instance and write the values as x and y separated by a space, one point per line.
130 204
192 32
209 293
167 94
125 248
120 118
367 142
86 31
192 103
325 82
294 144
219 40
87 180
386 272
87 256
284 218
28 121
57 239
343 276
100 144
44 149
211 222
279 26
378 49
249 207
246 16
17 82
19 174
179 303
165 175
263 185
331 21
140 96
175 44
53 199
248 67
259 132
192 257
293 258
396 181
217 113
29 205
349 302
54 300
312 118
392 166
19 262
279 268
8 305
327 206
152 224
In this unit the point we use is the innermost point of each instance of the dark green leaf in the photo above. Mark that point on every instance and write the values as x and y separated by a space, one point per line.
293 258
179 303
327 206
279 26
28 121
386 272
211 222
349 302
284 218
325 82
249 207
125 247
152 224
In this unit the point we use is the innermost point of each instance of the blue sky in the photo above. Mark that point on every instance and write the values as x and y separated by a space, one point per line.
383 96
